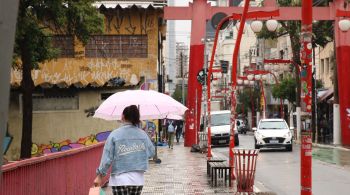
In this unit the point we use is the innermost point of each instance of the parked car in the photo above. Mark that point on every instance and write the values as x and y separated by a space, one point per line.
273 133
220 128
241 126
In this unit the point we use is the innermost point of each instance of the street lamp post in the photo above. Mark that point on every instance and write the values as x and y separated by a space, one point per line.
242 17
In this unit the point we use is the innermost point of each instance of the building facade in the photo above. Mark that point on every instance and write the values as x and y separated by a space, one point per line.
69 88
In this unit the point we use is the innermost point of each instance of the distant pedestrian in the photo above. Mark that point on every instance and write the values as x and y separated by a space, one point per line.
127 150
179 127
171 133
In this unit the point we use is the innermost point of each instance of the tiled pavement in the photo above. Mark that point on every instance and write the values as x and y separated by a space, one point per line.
180 172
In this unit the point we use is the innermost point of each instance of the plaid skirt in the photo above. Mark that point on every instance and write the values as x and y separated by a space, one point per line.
127 190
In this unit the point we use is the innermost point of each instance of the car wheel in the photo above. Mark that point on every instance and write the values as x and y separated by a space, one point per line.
255 145
289 148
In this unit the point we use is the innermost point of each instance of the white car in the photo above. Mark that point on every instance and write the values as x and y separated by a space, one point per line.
220 128
273 133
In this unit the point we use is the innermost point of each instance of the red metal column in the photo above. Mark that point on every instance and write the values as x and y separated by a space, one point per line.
342 40
234 81
210 71
306 80
196 64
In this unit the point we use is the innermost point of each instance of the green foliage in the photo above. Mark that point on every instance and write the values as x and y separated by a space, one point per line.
38 20
177 95
319 84
323 33
285 90
246 98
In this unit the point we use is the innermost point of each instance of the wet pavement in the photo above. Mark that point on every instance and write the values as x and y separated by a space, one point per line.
336 156
279 170
181 172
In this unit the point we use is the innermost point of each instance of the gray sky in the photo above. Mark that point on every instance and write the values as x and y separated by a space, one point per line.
183 27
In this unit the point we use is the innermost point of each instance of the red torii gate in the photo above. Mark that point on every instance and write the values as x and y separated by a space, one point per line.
200 11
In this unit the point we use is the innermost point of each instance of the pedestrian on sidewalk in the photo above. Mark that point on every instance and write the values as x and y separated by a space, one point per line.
171 133
179 127
127 150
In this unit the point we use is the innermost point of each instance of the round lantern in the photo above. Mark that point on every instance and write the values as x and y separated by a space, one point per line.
257 77
256 26
271 25
344 25
250 77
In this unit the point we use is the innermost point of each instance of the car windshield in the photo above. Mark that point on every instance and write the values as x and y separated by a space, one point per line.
220 119
272 125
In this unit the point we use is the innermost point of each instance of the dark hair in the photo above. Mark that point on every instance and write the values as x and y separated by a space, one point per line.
132 114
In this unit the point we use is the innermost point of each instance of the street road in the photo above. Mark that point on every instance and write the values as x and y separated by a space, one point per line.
279 171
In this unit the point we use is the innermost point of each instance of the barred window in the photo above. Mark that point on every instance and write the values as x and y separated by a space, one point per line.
117 46
66 45
55 103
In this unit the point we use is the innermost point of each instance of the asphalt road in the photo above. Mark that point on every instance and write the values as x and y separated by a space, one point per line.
279 171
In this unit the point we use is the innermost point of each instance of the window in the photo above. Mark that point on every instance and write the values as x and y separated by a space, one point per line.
116 46
66 45
321 68
326 66
220 119
272 125
55 103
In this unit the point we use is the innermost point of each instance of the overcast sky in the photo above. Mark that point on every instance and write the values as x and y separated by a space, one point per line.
182 28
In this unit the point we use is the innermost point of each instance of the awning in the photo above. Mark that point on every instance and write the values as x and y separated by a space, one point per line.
129 4
324 95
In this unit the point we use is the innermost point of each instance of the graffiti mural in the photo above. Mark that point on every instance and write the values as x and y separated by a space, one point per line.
42 149
151 128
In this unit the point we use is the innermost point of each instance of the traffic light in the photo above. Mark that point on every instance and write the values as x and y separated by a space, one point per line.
224 66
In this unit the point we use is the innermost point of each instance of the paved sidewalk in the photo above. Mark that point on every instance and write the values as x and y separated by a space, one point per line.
181 172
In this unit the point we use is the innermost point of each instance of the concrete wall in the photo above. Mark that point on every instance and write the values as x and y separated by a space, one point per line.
325 69
56 126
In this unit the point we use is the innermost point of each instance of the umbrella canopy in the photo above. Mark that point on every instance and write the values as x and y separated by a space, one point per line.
174 117
152 105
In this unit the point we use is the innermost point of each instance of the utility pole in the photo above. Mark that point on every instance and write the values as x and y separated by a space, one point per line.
183 78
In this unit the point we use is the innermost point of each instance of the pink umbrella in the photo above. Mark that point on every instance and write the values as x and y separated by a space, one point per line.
152 105
174 117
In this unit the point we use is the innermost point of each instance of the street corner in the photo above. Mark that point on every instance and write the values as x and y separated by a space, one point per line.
260 189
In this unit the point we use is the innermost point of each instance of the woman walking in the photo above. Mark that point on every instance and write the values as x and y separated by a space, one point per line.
127 150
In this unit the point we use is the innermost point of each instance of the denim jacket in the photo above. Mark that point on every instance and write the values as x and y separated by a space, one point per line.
127 148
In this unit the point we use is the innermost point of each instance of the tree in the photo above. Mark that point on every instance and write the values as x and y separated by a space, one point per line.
322 34
286 90
177 95
246 98
37 21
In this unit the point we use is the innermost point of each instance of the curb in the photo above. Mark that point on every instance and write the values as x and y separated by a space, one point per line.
260 189
326 146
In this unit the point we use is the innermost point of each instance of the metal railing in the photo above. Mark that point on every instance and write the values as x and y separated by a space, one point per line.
68 172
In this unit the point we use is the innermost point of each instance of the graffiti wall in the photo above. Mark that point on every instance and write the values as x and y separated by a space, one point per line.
52 147
150 127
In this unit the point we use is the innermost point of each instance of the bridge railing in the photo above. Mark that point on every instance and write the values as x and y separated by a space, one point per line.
61 173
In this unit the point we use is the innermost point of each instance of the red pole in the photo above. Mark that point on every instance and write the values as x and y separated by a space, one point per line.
196 64
210 71
306 77
234 81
